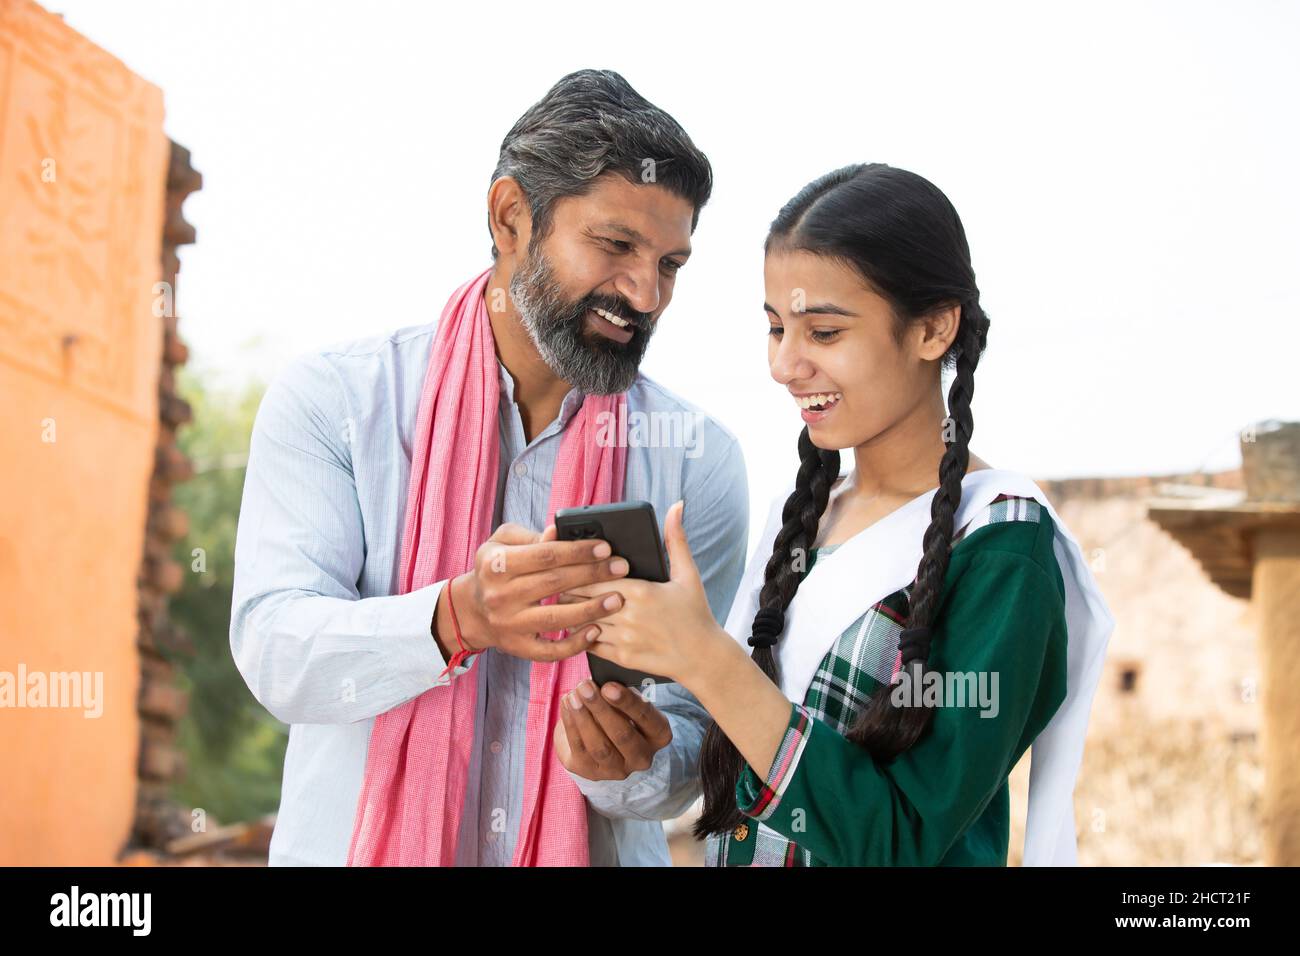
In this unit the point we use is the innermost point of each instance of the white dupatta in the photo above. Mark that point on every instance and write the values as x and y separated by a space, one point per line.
883 558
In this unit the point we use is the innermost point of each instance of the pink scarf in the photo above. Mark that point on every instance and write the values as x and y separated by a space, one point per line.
409 810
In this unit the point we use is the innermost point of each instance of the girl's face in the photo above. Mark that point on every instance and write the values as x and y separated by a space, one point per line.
832 336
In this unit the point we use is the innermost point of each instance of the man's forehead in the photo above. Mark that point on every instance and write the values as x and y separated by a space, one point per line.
648 214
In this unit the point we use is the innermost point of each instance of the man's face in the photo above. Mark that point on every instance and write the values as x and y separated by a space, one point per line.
615 250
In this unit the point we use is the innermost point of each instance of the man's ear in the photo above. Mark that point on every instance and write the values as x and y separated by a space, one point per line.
938 330
508 216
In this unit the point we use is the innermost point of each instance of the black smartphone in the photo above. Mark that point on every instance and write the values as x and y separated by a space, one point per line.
632 530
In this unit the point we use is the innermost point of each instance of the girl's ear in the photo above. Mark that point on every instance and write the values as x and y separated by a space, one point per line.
937 331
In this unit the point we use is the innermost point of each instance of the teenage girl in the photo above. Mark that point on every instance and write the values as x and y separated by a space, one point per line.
905 632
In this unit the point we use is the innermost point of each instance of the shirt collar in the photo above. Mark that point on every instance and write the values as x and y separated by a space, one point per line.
568 408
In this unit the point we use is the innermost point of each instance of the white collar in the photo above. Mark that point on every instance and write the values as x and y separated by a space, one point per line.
883 558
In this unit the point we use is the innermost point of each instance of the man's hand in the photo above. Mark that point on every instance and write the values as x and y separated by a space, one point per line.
498 600
610 734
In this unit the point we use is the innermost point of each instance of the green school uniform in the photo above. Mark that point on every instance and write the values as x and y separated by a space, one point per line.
945 801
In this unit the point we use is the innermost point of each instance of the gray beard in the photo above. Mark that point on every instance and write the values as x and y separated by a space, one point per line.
557 326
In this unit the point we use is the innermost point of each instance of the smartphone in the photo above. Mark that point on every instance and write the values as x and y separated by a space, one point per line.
632 530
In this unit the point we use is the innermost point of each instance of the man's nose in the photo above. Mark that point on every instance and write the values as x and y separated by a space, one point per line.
640 287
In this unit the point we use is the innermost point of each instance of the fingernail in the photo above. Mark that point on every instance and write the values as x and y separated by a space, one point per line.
587 689
610 603
574 703
618 566
612 691
592 634
601 550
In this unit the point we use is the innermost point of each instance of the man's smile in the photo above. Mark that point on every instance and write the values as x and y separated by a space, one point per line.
610 325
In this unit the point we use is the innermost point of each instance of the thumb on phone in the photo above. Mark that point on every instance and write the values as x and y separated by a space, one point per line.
681 564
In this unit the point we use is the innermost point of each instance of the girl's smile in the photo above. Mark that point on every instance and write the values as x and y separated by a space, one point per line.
815 406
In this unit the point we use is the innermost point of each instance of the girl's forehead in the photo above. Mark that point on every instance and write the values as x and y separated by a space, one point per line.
800 281
825 272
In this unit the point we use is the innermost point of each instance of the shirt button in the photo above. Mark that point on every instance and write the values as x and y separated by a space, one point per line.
495 746
492 836
741 832
521 469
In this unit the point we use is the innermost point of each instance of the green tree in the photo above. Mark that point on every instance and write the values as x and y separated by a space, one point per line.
233 748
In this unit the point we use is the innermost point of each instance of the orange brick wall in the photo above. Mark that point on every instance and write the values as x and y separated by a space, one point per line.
82 178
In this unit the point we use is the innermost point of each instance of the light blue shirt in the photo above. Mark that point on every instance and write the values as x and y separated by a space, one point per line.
325 643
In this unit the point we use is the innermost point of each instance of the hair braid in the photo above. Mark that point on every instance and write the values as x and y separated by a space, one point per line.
884 728
720 761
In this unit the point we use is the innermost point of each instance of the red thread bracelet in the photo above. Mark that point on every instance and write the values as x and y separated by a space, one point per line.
464 653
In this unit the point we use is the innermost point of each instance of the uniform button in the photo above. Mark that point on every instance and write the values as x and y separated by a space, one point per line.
492 836
495 746
521 469
741 832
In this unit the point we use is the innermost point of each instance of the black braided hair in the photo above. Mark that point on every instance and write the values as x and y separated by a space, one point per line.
904 237
720 761
882 727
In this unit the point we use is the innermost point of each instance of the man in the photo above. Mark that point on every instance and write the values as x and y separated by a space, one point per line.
591 209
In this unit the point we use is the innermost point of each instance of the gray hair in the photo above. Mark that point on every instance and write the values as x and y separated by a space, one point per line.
589 123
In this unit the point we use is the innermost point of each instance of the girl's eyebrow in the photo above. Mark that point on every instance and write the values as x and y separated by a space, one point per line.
822 308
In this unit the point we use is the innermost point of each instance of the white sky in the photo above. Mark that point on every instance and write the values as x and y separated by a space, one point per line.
1127 176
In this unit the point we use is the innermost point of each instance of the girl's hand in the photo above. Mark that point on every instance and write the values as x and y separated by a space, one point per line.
665 629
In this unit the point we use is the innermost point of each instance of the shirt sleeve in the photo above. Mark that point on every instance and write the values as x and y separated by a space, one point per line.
716 520
309 647
1004 619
